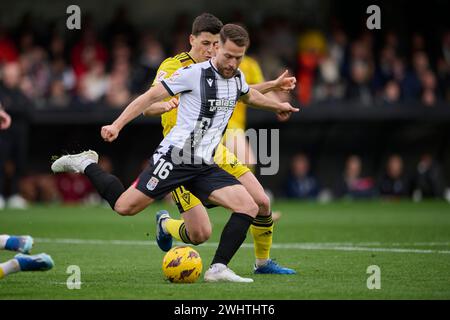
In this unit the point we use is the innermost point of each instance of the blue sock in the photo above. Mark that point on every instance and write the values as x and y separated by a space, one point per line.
12 243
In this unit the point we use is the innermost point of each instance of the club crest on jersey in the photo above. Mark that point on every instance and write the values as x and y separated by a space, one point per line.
152 183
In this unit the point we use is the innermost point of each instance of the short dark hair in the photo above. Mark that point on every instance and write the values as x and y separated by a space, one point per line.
206 22
235 34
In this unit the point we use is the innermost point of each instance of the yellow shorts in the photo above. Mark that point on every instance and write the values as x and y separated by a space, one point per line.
226 160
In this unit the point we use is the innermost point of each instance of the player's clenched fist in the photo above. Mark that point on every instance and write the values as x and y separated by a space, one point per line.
171 104
286 107
285 110
110 133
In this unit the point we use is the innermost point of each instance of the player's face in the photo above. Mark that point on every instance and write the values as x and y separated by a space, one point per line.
203 45
228 58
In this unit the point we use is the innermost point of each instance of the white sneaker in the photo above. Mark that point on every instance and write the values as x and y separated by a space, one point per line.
75 163
220 272
17 202
2 203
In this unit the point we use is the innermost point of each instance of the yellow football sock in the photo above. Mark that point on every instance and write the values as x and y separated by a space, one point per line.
262 232
177 229
2 274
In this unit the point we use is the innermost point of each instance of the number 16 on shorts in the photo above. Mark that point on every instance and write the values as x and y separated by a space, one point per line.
162 170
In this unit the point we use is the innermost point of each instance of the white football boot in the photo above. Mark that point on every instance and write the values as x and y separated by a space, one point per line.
75 163
220 272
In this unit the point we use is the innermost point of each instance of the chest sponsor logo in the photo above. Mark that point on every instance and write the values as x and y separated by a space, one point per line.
221 104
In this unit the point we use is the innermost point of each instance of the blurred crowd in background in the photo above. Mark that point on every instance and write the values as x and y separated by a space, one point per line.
392 183
42 67
112 64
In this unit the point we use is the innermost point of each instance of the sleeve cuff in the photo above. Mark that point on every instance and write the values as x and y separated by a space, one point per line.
167 88
244 93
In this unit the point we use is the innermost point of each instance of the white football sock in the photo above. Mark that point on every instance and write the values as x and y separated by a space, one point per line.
3 239
11 266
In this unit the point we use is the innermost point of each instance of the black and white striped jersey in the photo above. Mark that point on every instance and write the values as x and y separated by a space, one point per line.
206 103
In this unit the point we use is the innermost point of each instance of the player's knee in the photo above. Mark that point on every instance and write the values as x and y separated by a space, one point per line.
124 209
200 235
263 203
249 207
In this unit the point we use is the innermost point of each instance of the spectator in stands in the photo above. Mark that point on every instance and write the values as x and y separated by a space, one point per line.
360 73
87 52
409 88
359 90
301 184
417 42
443 67
152 54
391 93
391 40
312 48
353 185
61 71
329 87
428 181
8 51
36 74
385 68
421 65
394 183
59 98
338 47
429 88
57 48
14 141
94 83
117 95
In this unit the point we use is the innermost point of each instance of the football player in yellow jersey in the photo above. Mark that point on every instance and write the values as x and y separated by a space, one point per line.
195 227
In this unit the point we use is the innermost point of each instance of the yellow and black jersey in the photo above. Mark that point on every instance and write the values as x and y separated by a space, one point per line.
165 70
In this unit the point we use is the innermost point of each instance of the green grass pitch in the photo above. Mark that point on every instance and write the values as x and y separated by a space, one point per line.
330 245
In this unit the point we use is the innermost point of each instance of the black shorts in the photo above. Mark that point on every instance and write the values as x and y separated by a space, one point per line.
163 176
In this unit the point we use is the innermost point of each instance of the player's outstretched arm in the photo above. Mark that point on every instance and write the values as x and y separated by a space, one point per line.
135 108
260 101
283 83
161 107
